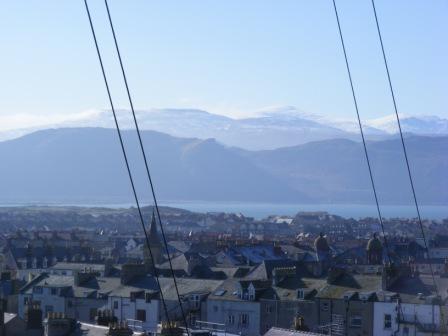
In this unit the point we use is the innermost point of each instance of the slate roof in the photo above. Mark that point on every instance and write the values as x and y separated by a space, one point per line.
188 286
112 286
288 289
259 253
264 270
78 266
109 286
228 289
347 282
409 288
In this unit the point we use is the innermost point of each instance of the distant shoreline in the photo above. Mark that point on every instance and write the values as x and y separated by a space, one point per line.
261 210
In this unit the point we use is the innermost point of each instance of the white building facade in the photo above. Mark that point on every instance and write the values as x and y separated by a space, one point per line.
393 318
143 312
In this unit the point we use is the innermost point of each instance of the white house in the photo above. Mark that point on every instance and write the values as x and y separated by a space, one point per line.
139 308
394 318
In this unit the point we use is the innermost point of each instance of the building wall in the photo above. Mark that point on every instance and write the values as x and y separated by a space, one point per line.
79 308
422 313
127 309
346 312
85 309
218 311
55 303
281 313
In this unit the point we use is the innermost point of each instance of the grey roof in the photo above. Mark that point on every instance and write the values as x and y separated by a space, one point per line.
179 245
109 286
112 286
78 266
409 288
227 290
264 270
187 286
178 263
274 331
288 289
347 282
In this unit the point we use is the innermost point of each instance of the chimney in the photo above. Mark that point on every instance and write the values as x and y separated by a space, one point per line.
131 271
119 329
334 274
34 321
108 266
57 324
105 317
278 250
281 273
171 329
392 273
80 278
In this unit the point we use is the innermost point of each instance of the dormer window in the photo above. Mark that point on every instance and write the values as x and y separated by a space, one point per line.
195 300
251 292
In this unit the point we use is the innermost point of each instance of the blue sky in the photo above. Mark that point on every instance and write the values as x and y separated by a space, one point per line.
229 57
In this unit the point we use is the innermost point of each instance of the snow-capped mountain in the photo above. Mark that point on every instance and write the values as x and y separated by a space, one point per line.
268 129
422 125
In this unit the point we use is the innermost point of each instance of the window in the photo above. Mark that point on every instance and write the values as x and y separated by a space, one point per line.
300 294
115 304
269 309
148 297
54 291
251 292
231 319
244 320
141 315
195 300
37 290
387 321
70 303
92 313
325 306
26 300
356 321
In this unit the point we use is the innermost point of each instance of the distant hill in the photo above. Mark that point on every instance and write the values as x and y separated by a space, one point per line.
85 165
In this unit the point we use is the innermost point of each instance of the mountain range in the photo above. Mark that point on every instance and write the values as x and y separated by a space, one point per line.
83 165
268 129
